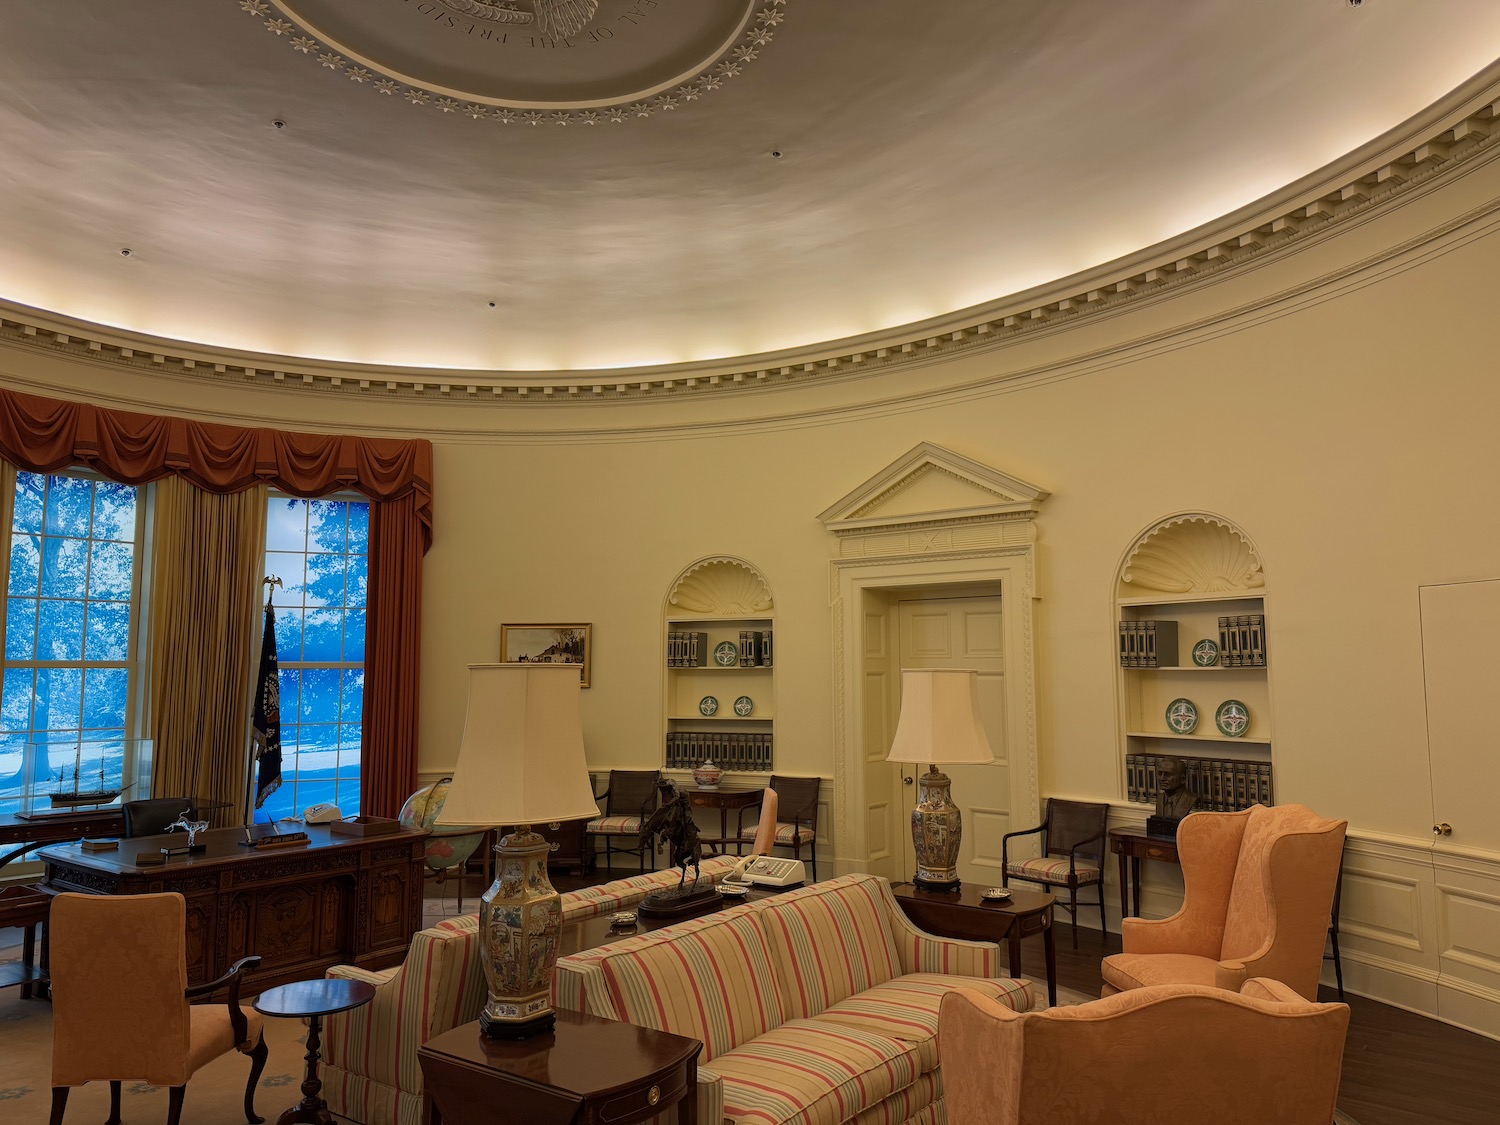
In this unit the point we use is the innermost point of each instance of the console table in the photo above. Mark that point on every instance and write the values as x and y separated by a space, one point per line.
335 900
725 798
587 1071
1133 845
49 828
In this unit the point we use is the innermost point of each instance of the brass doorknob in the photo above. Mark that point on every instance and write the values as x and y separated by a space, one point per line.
1442 829
907 781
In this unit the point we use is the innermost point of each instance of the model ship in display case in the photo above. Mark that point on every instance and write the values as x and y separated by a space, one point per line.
81 798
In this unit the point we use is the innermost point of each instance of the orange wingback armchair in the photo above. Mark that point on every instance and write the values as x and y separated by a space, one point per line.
1165 1053
1257 896
124 957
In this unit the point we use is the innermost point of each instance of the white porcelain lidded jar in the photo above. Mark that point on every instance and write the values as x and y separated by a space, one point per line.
707 776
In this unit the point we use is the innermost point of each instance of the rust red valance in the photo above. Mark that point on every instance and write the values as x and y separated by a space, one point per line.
44 434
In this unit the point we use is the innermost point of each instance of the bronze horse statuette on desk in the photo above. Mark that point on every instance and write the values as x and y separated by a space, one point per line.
672 823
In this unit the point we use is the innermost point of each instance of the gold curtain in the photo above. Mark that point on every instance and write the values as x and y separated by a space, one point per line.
208 554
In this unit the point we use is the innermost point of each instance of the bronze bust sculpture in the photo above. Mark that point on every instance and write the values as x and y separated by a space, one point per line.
1173 801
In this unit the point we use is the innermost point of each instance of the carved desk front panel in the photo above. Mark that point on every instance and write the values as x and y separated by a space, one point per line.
337 900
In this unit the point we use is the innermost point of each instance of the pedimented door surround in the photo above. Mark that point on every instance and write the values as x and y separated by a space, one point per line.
931 519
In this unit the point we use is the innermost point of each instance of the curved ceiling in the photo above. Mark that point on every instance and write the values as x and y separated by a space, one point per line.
933 157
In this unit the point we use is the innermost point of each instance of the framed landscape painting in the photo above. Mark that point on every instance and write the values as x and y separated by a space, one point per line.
549 644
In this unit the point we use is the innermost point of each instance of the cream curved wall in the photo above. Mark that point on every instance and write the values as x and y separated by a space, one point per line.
1337 402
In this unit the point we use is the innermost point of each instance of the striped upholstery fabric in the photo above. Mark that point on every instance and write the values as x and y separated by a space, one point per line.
808 1072
786 833
907 1008
829 941
614 826
713 982
371 1072
606 898
1051 870
921 1103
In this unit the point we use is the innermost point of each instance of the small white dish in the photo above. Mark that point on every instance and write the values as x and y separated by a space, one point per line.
995 894
622 918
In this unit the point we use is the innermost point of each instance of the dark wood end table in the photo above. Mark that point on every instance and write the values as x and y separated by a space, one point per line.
1133 845
312 999
965 914
586 1071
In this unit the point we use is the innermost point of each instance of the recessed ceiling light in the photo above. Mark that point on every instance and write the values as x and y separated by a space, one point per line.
278 123
776 154
492 304
125 251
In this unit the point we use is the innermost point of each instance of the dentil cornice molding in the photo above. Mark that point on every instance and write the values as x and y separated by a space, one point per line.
1457 132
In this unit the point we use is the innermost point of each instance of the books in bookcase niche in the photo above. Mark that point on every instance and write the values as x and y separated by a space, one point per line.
755 648
746 753
1148 644
1242 640
1217 784
687 649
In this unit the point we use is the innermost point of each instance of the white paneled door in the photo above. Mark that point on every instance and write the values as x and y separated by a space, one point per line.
962 632
1461 668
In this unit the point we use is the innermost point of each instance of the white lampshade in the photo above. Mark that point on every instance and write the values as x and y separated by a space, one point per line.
521 759
940 718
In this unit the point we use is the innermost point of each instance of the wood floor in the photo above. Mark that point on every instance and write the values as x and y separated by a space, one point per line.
1399 1068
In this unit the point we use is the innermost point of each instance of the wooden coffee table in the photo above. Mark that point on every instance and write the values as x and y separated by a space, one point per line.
964 914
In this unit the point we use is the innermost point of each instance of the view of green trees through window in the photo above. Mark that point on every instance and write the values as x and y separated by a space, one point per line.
68 669
318 548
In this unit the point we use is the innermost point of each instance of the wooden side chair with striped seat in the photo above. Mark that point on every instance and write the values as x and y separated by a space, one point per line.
796 817
1073 837
630 799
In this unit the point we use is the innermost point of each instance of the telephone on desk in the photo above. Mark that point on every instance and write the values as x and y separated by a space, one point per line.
768 871
321 814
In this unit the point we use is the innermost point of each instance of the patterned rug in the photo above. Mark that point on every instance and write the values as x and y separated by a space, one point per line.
214 1095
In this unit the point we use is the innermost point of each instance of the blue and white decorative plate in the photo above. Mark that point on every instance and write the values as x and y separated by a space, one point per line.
727 654
708 705
1182 716
1232 718
743 706
1206 653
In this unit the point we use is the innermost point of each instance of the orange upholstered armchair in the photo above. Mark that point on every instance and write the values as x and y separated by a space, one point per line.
120 1001
1258 892
1166 1053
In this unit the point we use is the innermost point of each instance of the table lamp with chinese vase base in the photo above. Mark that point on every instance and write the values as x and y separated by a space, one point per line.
520 763
939 723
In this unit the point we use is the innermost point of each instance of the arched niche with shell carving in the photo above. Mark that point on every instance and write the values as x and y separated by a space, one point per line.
719 659
1193 639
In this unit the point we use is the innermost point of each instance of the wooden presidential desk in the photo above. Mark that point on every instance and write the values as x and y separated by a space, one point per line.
337 900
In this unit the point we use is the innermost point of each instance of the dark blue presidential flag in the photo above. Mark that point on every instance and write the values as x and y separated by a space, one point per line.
267 716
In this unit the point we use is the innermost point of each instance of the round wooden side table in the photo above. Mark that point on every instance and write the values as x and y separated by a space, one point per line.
312 1000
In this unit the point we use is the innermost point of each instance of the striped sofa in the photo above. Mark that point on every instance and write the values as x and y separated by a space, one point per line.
815 1007
370 1071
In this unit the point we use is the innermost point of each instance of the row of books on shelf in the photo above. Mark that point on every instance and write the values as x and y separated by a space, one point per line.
1242 640
687 648
755 648
745 752
1217 784
1148 644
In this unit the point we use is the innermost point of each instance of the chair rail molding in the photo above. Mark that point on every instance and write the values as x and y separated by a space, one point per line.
929 520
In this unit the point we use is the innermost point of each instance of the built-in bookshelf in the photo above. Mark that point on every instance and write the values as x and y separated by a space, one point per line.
1194 649
719 660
